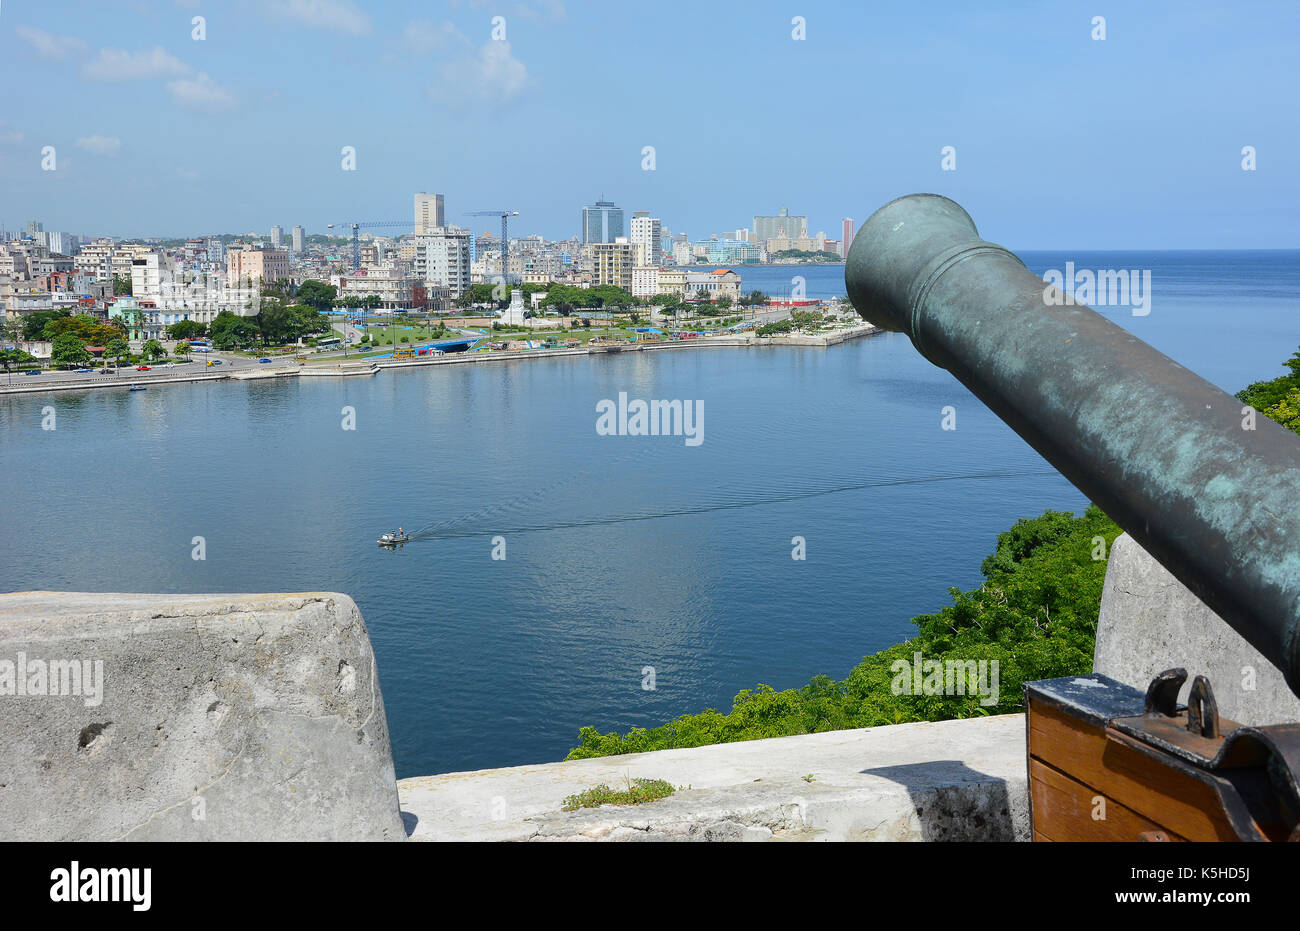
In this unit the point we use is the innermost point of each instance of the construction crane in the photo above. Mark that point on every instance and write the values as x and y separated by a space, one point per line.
373 224
505 237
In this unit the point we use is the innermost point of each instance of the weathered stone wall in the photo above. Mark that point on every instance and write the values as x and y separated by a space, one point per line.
935 781
221 717
1151 622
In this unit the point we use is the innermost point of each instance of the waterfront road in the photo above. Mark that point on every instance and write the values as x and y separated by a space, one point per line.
229 364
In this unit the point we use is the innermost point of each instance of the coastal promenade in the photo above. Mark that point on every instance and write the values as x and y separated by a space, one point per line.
339 367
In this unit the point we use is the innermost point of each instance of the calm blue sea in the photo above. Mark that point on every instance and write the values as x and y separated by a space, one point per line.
621 552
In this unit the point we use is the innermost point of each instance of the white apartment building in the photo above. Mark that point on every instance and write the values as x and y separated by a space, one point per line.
682 254
96 259
645 280
647 232
441 259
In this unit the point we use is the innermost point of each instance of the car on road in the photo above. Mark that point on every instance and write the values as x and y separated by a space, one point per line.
214 362
108 371
32 372
142 368
85 370
263 360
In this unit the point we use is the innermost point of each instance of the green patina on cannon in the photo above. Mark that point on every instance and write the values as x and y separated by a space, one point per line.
1209 490
1160 449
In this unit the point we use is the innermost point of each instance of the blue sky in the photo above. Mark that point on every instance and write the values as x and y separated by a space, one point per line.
1062 141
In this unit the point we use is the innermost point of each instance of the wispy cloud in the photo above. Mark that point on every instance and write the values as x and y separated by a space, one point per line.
100 145
487 73
10 136
201 93
187 87
47 45
112 64
491 72
333 15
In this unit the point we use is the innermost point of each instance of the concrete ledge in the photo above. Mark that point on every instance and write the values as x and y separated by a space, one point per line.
341 369
110 382
945 780
220 717
1151 622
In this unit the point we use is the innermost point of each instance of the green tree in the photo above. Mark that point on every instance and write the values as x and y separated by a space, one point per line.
317 294
34 324
181 349
118 349
231 331
11 357
153 349
67 350
1278 398
186 329
121 285
275 321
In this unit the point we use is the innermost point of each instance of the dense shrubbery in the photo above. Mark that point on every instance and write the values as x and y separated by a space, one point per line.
1036 614
1278 398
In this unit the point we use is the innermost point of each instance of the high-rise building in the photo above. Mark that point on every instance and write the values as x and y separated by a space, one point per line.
781 226
277 237
429 213
442 259
602 222
612 263
62 243
297 240
646 233
846 237
33 228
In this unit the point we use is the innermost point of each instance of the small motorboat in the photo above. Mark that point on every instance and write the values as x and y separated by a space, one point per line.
139 388
393 539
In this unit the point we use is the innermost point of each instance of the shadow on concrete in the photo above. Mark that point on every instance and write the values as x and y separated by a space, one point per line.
954 802
409 821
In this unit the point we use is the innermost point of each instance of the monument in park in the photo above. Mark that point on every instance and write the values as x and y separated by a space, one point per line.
514 314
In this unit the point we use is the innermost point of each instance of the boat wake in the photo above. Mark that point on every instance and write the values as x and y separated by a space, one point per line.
476 526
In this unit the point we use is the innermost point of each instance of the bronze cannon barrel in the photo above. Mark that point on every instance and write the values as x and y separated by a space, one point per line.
1166 454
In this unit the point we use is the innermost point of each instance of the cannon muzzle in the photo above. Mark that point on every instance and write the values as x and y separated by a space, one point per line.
1208 490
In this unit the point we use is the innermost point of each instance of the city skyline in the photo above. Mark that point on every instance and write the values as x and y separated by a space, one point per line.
1149 124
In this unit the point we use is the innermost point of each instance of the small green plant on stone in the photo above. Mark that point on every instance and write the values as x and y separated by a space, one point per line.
637 791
